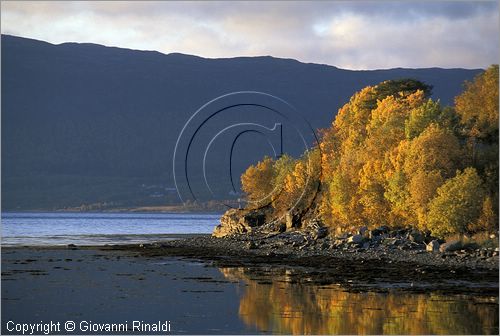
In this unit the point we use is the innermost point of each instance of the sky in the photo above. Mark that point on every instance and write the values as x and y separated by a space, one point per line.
346 34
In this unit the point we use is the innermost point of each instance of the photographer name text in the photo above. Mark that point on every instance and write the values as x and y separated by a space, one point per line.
52 327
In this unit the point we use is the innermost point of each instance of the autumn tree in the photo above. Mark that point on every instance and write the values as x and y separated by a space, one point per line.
302 183
394 156
458 203
477 106
257 184
354 151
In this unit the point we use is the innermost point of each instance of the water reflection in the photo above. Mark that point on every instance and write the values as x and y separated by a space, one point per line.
285 307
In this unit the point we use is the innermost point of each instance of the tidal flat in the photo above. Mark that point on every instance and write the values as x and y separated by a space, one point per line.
217 295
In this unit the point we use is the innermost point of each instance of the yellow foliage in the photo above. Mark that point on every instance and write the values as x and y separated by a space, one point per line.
457 204
435 149
422 189
258 193
488 219
477 106
391 157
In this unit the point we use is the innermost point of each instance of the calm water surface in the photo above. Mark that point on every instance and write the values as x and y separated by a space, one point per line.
58 228
273 303
198 298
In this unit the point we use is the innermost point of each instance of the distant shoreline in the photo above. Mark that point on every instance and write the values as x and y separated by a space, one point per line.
152 209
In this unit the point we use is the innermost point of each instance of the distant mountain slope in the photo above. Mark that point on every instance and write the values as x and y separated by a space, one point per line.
85 123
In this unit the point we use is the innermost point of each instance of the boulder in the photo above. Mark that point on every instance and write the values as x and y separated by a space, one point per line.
416 236
451 246
355 239
236 221
378 231
319 233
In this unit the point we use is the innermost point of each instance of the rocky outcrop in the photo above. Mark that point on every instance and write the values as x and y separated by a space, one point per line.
235 221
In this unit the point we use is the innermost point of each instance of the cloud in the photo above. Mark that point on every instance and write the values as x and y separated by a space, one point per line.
354 34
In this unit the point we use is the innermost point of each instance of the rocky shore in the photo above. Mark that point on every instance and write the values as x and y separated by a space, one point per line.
377 259
304 238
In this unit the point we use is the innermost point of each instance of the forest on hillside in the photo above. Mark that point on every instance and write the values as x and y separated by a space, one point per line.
394 156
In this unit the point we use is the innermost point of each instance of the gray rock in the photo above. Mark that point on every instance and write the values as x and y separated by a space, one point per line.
378 231
433 246
383 229
251 245
362 230
416 236
319 233
355 239
451 246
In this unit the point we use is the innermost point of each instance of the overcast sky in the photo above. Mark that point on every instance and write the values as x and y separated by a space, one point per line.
353 35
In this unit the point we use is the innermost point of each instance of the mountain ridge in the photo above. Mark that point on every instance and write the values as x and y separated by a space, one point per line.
91 124
175 53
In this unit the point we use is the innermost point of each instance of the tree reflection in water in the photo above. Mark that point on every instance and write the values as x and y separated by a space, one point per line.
287 307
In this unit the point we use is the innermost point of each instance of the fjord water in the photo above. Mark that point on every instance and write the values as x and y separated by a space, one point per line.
272 302
61 228
199 298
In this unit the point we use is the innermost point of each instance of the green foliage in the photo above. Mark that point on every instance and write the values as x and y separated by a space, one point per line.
421 117
398 87
458 203
405 86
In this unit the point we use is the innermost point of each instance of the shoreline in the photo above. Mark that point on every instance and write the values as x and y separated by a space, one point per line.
148 238
354 270
198 295
379 270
